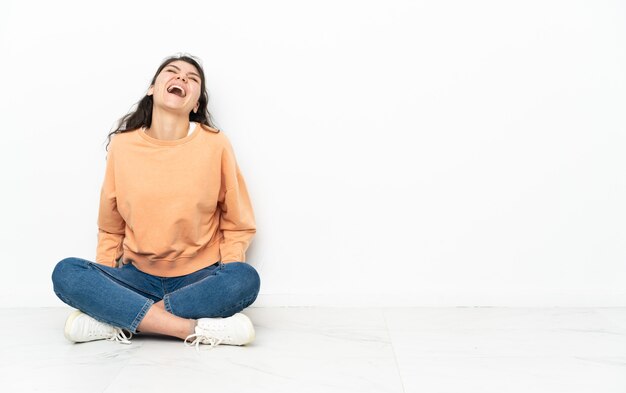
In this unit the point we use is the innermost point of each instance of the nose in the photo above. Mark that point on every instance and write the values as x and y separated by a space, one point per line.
184 78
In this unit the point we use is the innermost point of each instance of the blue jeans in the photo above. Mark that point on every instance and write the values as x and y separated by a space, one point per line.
122 296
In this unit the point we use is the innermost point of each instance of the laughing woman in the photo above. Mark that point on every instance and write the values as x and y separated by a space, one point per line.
174 223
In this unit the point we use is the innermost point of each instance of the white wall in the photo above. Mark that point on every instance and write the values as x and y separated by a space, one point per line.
397 152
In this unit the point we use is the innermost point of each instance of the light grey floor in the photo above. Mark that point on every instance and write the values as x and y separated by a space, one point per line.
335 350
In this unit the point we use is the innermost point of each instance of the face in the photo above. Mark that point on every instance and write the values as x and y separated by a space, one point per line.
177 87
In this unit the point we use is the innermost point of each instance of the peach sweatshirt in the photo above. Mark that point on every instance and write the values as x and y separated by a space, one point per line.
173 207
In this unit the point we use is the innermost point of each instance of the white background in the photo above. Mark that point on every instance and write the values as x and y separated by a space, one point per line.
428 153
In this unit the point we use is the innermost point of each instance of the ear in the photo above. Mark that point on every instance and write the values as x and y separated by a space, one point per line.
150 91
195 110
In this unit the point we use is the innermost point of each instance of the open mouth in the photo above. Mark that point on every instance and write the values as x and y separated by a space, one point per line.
177 90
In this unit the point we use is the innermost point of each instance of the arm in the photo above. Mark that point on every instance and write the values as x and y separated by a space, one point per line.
110 223
237 221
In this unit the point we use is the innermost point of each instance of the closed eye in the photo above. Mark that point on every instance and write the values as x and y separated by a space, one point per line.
172 70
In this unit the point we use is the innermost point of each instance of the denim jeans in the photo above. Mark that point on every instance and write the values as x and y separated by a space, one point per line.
122 296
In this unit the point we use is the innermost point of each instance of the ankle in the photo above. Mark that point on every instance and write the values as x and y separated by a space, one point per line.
192 326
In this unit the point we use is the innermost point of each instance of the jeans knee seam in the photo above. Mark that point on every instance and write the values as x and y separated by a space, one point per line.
168 304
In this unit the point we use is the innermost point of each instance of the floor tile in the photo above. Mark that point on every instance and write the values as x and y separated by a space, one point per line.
326 349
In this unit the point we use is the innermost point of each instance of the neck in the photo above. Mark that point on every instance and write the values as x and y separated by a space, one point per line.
168 126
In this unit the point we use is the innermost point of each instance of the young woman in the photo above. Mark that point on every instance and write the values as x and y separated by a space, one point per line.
175 211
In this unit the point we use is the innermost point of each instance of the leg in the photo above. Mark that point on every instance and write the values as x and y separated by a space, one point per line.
93 289
229 289
129 301
157 320
238 284
215 298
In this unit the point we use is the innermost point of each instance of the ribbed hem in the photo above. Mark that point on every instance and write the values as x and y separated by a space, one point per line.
179 267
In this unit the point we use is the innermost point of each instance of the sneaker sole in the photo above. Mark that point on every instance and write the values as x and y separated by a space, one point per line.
245 320
69 322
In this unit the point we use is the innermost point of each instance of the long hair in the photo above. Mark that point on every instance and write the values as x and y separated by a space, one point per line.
141 113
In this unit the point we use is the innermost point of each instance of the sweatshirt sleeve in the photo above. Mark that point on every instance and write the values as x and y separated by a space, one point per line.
111 225
237 222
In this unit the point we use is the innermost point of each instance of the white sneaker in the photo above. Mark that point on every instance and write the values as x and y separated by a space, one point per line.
80 327
234 330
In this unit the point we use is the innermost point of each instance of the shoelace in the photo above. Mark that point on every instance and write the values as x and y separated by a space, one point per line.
202 339
121 337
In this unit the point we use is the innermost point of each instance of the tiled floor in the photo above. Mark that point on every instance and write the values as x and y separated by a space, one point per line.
360 350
